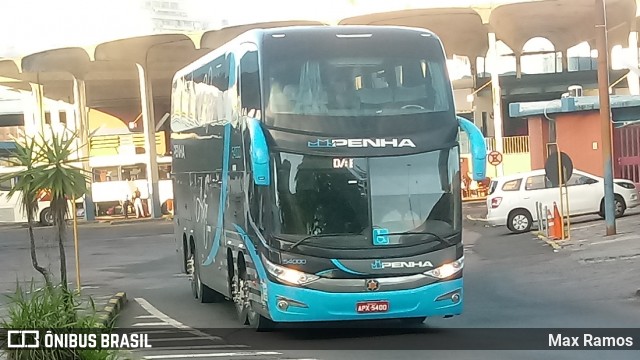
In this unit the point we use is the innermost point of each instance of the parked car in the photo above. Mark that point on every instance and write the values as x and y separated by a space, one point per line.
512 199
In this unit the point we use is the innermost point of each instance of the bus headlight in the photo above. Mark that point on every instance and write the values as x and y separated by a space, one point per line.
447 270
288 275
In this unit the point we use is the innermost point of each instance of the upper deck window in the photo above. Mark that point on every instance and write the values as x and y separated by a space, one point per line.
355 76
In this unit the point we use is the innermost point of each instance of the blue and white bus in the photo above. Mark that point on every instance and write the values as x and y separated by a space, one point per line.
316 175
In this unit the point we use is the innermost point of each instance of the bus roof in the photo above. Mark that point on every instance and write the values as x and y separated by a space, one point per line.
256 36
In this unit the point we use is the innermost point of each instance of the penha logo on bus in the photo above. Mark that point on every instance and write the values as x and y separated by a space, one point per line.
361 143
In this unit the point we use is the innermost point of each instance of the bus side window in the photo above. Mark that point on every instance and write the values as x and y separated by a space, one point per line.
250 82
256 205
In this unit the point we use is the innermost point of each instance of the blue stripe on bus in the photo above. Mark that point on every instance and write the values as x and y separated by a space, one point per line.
341 266
215 246
253 252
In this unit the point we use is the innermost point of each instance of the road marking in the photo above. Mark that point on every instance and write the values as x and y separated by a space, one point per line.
159 314
177 339
152 324
145 317
172 322
192 356
195 347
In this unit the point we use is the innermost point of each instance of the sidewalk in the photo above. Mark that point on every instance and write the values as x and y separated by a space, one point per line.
591 241
120 219
110 220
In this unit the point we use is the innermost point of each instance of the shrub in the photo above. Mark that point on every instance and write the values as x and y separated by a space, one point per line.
57 309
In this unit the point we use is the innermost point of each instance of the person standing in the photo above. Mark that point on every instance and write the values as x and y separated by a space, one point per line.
137 204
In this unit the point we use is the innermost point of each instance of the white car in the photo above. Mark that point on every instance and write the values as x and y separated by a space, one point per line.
512 199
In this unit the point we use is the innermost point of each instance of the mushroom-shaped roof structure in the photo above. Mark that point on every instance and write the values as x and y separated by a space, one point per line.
460 29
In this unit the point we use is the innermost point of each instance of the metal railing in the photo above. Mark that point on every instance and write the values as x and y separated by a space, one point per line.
102 145
510 144
543 219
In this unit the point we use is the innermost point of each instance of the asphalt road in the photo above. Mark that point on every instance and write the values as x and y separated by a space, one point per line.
105 252
511 281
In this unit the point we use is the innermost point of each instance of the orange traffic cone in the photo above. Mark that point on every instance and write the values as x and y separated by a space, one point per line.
557 220
551 224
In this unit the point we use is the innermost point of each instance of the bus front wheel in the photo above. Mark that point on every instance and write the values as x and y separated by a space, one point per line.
244 306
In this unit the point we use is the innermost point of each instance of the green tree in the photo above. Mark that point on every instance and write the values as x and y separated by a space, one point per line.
25 157
58 173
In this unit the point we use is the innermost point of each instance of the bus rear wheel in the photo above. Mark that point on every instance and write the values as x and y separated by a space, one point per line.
199 290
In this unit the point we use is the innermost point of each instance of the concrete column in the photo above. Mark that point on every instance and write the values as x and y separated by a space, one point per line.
82 125
496 96
632 77
54 110
518 66
565 61
149 123
30 111
37 104
474 85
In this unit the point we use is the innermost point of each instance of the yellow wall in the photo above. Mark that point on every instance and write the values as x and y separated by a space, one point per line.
98 118
512 164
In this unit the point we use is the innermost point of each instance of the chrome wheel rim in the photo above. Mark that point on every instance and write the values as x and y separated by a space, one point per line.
520 222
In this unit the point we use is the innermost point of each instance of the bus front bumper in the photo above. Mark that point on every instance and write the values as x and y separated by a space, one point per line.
296 304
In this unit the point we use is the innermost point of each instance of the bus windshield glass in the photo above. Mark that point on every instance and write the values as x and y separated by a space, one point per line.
317 195
355 77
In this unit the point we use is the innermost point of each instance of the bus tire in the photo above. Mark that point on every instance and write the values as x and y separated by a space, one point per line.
201 291
259 322
238 294
46 217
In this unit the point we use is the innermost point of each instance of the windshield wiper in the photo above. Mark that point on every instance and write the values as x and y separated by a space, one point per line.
315 237
437 237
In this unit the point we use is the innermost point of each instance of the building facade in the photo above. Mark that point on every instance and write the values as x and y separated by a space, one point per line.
172 16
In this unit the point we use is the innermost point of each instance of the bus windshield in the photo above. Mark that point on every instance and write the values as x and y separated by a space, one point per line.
355 77
322 195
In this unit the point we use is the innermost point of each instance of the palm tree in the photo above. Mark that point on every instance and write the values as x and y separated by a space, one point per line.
25 158
58 173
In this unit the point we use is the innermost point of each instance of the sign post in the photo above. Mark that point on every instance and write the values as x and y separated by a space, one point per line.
558 169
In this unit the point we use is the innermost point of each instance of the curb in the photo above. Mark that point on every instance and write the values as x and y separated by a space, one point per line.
113 307
14 226
551 243
476 221
136 221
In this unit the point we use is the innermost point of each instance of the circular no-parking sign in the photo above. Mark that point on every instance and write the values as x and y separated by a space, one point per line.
494 158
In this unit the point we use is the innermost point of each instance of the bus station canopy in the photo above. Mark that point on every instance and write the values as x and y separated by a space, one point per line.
109 69
112 78
464 30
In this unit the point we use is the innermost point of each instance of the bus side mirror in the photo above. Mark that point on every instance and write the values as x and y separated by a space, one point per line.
259 153
478 148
